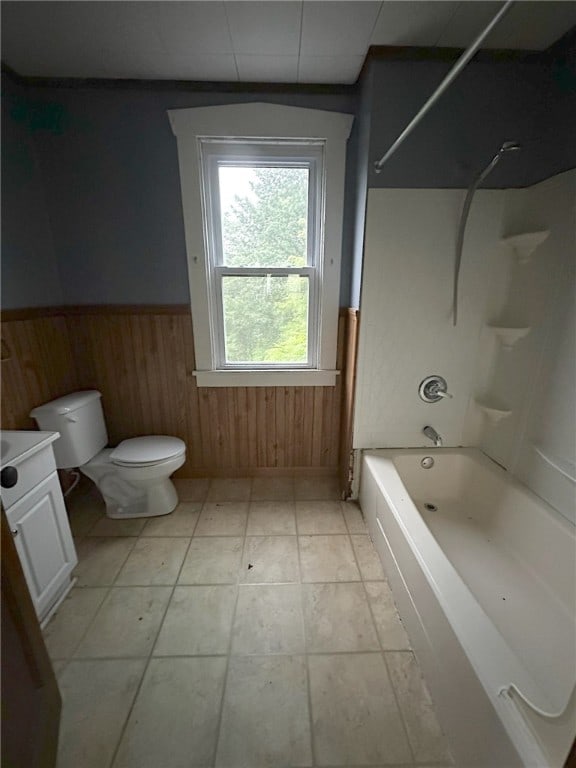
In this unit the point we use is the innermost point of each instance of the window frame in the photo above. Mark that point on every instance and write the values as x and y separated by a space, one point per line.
281 126
263 153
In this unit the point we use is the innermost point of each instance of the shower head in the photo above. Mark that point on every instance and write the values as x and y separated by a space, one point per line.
510 146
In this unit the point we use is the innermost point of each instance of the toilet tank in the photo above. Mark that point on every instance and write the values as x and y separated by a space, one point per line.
80 420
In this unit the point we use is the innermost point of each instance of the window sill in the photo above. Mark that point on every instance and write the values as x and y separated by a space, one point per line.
293 378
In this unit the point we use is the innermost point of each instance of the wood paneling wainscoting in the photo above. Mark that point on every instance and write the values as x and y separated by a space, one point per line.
142 359
37 363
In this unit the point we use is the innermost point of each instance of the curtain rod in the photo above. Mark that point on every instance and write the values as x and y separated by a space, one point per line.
452 75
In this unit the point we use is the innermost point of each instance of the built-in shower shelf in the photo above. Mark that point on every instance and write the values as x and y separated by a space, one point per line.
494 413
509 335
524 244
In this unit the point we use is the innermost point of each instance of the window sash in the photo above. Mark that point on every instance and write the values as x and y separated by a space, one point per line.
262 154
310 273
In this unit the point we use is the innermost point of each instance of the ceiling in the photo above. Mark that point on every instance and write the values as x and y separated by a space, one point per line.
268 41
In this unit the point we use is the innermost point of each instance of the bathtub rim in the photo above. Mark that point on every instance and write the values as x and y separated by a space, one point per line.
464 613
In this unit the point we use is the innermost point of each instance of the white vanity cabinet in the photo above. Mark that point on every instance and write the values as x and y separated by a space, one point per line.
37 518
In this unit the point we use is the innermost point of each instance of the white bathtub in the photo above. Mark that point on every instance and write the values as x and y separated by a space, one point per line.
486 585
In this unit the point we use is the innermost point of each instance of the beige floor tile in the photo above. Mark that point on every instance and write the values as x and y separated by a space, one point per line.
97 696
388 624
192 489
338 618
268 620
270 559
426 737
68 625
368 559
212 560
107 526
175 718
198 622
181 522
85 505
316 488
153 562
230 489
100 559
271 518
126 624
354 713
273 489
353 516
222 519
319 517
327 558
84 516
265 722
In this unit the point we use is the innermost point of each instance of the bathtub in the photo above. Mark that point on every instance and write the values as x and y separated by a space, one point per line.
483 572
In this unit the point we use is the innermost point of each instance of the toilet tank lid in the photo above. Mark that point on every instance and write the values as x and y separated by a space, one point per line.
148 450
66 404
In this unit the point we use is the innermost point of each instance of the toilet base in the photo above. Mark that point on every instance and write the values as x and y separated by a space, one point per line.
133 492
160 499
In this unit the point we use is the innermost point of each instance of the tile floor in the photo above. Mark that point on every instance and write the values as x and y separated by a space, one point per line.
252 627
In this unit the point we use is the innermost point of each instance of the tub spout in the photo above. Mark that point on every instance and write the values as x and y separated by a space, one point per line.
431 433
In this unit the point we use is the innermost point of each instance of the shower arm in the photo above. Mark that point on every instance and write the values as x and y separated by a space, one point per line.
452 75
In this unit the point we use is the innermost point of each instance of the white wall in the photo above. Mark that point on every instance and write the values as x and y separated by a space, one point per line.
406 330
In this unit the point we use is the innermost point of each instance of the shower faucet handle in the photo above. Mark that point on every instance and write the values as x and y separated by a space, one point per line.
433 388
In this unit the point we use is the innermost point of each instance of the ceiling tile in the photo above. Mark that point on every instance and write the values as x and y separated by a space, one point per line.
330 28
412 23
193 66
55 39
135 63
137 25
267 69
265 27
329 69
467 23
191 27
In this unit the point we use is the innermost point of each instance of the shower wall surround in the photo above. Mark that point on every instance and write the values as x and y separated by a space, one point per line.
536 378
406 331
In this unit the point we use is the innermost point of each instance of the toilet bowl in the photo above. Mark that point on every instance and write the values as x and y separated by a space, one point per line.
133 489
134 477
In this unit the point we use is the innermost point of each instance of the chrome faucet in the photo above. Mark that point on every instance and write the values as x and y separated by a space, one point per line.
431 433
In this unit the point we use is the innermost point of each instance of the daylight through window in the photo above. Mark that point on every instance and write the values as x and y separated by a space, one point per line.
263 205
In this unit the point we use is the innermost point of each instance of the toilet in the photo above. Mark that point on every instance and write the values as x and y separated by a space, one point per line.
134 477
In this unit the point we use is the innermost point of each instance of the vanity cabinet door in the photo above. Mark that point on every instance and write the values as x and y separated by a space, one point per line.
41 532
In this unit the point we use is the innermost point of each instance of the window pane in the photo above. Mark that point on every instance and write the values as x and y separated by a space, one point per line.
264 216
266 319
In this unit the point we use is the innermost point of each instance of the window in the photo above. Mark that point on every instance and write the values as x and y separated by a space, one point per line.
264 275
263 207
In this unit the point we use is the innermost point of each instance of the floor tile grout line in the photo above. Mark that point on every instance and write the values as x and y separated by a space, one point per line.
382 651
374 652
147 662
108 588
218 729
306 654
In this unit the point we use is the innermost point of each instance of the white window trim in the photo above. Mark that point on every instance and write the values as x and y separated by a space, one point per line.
263 121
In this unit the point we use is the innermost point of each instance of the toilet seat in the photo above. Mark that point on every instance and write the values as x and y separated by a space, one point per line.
147 451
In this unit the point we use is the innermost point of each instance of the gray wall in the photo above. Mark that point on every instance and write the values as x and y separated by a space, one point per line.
362 146
115 200
112 216
29 270
486 105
